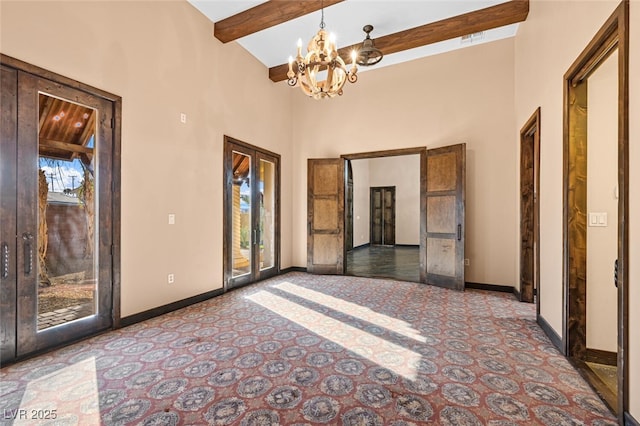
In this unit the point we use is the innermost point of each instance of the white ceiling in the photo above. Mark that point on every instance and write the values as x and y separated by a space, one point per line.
274 45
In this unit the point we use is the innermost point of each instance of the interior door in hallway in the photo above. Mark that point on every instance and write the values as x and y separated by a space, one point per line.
530 210
445 216
383 215
325 221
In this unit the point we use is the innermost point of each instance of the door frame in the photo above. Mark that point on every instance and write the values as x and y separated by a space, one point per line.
113 187
383 189
348 196
256 153
530 220
422 151
614 33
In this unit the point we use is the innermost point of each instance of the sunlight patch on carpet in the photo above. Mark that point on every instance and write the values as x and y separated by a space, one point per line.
353 309
59 396
398 359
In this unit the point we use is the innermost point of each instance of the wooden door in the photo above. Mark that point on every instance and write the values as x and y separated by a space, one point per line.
54 236
529 208
8 245
325 216
445 195
349 209
383 215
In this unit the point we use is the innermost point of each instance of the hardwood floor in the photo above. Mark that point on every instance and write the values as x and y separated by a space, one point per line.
395 262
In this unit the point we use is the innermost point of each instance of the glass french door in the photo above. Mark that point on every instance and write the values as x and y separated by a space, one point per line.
56 239
251 213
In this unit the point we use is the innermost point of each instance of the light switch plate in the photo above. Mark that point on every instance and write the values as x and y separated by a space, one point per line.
598 219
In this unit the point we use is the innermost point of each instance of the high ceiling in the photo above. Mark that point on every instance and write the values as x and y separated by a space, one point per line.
403 29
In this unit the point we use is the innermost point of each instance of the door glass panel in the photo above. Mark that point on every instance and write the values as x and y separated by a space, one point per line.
242 237
67 252
267 214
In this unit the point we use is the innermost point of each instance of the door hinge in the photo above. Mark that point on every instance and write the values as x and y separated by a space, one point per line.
113 123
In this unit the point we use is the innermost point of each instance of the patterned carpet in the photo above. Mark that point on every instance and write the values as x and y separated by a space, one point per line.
301 349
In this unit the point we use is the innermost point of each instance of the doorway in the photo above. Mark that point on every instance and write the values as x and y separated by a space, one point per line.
530 211
587 282
440 217
382 216
251 213
60 233
383 209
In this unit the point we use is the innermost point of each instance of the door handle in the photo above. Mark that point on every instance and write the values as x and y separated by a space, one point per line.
459 232
255 237
615 273
27 238
5 260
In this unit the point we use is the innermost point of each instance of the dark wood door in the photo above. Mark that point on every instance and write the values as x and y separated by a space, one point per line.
8 245
54 238
529 208
383 215
445 216
325 216
251 213
349 209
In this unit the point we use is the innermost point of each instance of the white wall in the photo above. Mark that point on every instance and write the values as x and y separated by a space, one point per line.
361 211
162 58
403 172
462 96
602 179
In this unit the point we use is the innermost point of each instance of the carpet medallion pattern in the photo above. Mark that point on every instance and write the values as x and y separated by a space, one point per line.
303 350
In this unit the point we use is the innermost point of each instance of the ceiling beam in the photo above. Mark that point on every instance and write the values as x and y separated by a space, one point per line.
64 146
264 16
500 15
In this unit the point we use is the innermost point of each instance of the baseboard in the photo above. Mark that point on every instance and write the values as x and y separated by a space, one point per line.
408 245
165 309
601 357
556 340
293 269
489 287
517 294
629 420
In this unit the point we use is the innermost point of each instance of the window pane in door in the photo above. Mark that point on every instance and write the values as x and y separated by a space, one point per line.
65 249
242 236
267 214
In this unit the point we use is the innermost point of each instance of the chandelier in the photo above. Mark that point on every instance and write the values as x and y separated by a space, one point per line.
321 73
